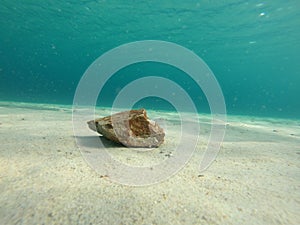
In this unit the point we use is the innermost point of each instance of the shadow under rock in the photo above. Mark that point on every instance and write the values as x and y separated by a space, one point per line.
95 142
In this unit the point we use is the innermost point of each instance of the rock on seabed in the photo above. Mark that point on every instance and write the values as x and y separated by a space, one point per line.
131 128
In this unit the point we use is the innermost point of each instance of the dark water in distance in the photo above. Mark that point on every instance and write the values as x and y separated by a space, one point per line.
252 47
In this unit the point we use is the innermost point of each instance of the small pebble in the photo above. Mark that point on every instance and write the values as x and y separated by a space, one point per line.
168 155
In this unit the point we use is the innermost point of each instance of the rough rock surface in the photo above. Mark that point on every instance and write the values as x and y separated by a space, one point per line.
130 128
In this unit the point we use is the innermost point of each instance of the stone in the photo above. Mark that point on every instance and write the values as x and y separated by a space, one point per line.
131 128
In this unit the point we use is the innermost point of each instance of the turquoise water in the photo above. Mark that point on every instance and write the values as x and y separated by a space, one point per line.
252 47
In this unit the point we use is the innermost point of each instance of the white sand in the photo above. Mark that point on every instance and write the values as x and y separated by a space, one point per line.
45 180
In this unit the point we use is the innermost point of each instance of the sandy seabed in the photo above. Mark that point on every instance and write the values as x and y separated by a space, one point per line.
44 178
